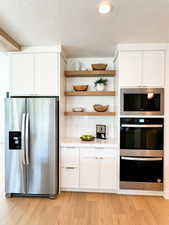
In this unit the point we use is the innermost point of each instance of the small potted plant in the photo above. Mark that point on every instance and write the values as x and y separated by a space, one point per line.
100 84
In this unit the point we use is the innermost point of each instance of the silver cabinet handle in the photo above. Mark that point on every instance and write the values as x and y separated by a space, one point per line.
142 159
143 125
27 138
23 138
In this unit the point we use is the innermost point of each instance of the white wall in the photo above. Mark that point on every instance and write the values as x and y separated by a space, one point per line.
4 87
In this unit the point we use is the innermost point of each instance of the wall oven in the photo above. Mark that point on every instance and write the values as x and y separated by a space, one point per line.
142 101
141 153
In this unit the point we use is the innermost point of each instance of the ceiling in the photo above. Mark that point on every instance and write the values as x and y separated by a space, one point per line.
80 29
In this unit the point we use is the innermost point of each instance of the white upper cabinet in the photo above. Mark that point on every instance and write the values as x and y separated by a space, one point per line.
34 73
22 74
130 68
142 68
46 74
153 68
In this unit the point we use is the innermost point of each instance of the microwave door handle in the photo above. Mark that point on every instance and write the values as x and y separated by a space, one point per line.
142 159
143 125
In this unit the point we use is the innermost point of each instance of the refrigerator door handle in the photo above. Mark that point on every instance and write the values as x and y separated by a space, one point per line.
23 138
27 138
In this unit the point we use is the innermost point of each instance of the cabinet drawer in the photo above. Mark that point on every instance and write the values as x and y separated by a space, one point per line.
107 153
69 157
88 152
97 152
69 177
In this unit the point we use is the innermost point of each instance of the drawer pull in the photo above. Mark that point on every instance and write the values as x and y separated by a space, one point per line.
69 147
70 167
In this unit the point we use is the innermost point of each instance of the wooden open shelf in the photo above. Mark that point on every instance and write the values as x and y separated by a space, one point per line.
90 93
89 113
90 73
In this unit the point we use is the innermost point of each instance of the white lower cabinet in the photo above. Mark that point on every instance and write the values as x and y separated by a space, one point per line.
69 177
97 168
69 167
108 170
88 169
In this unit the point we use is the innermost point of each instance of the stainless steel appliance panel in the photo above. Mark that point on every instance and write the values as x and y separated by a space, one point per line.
42 139
15 168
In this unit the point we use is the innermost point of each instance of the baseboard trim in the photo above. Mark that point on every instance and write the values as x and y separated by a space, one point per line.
166 195
140 192
89 190
120 192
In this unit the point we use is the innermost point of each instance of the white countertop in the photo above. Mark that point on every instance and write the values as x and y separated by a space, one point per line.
76 142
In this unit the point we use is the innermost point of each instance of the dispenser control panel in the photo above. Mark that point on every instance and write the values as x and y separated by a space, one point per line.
15 140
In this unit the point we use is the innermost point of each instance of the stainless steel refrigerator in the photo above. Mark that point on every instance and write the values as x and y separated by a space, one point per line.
31 146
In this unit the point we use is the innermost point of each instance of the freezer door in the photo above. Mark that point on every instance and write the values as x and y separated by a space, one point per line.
15 168
42 153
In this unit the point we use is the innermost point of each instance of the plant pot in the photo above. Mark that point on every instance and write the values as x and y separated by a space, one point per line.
100 87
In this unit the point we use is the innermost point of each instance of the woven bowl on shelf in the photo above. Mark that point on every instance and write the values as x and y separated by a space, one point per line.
80 87
99 66
101 108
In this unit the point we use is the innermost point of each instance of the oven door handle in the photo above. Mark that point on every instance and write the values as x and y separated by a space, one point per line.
142 159
143 125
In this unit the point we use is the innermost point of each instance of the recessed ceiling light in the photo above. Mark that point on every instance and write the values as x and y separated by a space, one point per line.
105 7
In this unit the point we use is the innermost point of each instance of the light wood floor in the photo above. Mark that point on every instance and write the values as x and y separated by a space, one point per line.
85 209
82 209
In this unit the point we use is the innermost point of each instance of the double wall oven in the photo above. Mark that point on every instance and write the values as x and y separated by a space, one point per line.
141 145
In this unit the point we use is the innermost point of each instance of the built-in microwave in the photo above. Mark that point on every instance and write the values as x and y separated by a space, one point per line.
142 101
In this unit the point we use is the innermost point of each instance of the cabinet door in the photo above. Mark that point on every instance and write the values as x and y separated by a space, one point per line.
22 74
69 157
108 169
130 68
69 177
46 77
153 68
69 161
89 169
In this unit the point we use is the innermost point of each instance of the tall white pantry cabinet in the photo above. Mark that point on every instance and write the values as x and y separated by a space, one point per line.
34 72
